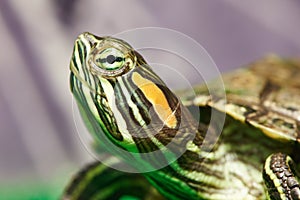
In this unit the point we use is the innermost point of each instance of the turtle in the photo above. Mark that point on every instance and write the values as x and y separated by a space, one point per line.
131 113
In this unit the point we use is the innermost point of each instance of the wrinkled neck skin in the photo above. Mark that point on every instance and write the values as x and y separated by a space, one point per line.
232 169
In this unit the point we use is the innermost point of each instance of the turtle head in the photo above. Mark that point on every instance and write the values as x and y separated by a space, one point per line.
117 92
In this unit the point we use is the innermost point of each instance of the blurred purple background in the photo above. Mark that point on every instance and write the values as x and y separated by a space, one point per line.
38 137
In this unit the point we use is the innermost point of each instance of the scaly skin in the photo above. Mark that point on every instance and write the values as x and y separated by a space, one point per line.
126 105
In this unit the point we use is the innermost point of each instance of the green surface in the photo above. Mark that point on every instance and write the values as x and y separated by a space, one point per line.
32 190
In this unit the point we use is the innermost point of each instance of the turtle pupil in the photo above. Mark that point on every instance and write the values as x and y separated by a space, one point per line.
110 59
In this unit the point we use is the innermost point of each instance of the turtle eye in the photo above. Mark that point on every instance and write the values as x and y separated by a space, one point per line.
110 59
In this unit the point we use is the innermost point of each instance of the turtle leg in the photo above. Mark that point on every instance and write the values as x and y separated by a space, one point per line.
280 178
99 182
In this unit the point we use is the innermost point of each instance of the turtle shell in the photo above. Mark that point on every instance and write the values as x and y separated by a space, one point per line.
265 94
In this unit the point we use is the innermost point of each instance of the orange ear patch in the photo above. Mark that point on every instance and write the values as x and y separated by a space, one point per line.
157 98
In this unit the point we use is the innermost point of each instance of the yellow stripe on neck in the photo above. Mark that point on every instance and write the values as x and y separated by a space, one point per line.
157 98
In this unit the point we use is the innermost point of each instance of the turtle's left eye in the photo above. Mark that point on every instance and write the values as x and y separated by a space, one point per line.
110 59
